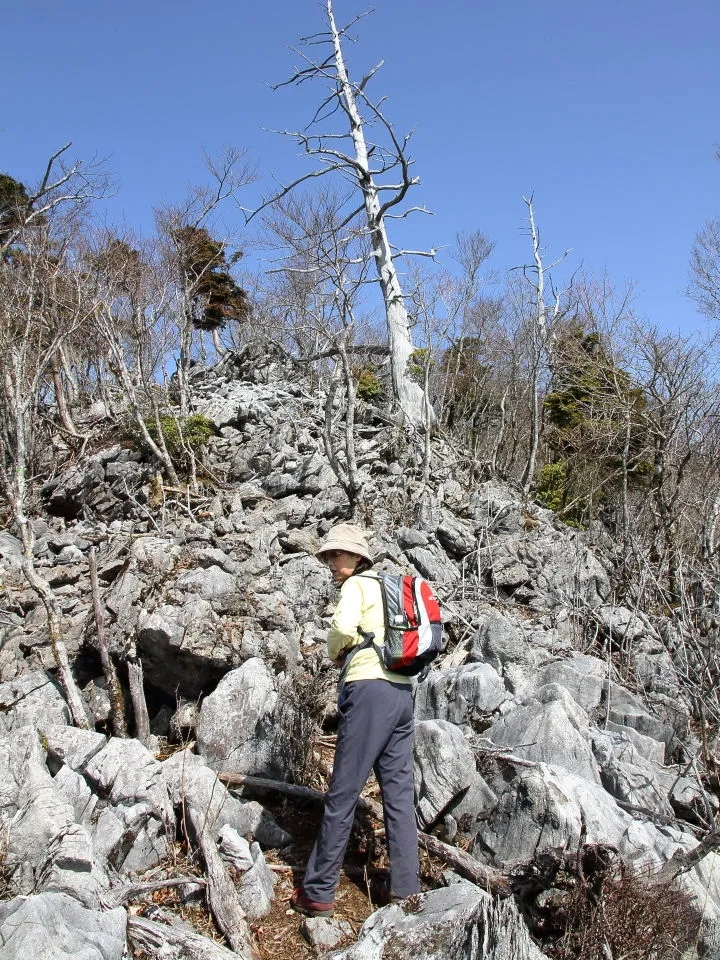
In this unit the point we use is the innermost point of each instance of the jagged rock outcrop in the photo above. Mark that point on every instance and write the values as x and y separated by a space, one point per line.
459 922
531 734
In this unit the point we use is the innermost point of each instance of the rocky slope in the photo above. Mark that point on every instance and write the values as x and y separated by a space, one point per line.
533 736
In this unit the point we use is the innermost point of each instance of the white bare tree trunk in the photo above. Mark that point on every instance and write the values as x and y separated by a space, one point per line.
408 394
541 343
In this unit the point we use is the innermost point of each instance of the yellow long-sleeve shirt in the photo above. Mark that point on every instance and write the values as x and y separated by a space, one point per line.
360 604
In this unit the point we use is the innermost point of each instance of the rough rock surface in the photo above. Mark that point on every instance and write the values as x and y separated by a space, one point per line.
531 733
455 923
48 925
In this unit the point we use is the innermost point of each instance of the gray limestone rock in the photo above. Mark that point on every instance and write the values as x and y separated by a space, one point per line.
325 933
461 695
507 564
30 799
444 767
256 881
212 583
188 775
582 676
627 710
237 730
49 925
407 538
71 867
571 571
136 810
256 892
456 536
234 849
553 731
460 922
502 643
10 546
432 565
31 700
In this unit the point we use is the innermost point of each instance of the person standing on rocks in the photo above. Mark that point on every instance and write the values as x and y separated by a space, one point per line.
375 732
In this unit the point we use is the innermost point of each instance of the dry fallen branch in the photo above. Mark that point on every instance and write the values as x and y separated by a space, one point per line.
119 896
163 942
221 893
487 877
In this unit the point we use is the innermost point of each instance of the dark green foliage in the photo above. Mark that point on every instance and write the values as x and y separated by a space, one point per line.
466 373
183 435
593 418
368 385
214 295
420 361
552 491
14 203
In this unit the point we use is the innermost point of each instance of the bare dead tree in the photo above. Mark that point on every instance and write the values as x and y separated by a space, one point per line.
364 164
322 273
28 342
538 275
117 701
62 185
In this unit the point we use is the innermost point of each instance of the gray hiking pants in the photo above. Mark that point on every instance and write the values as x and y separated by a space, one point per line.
375 732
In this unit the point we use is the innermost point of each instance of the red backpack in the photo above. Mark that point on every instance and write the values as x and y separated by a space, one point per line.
413 625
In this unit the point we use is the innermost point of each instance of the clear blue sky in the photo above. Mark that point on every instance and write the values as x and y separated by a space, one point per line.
607 112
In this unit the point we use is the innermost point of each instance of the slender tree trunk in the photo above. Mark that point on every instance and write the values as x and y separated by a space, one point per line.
219 348
407 393
117 701
63 410
529 471
70 378
15 489
54 621
159 449
500 436
137 695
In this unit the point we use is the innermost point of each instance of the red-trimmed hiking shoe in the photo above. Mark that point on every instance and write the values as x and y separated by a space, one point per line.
311 908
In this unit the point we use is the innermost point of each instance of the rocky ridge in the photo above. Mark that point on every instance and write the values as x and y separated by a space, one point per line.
532 735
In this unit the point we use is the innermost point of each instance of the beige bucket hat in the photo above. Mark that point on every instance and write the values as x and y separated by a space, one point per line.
346 536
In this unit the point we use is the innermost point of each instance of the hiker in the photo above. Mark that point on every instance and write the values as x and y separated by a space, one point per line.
375 731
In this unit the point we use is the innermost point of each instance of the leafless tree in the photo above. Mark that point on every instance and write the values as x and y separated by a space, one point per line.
538 275
62 185
365 164
37 286
321 274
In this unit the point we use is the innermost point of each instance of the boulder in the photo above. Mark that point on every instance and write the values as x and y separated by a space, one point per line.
554 730
325 933
460 922
211 583
581 675
444 767
187 775
32 802
70 866
49 925
502 643
463 695
32 700
134 823
237 730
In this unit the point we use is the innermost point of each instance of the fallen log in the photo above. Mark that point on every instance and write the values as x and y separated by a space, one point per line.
120 896
221 892
162 942
491 879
